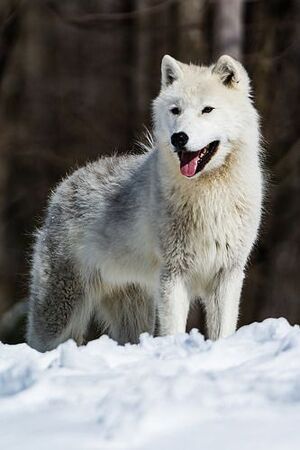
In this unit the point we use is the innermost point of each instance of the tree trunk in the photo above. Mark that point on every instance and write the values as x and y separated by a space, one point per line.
228 28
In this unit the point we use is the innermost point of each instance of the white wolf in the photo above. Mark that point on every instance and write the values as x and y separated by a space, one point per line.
134 240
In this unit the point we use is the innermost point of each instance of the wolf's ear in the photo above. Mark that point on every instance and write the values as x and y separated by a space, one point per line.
232 73
170 71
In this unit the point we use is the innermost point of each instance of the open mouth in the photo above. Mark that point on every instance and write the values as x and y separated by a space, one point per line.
193 162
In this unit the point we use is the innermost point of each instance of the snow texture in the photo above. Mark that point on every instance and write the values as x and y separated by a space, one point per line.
177 392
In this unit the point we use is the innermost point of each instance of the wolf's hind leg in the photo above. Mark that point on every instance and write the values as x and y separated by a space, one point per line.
58 310
128 312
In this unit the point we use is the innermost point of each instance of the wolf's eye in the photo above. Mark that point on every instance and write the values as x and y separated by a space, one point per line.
175 110
207 109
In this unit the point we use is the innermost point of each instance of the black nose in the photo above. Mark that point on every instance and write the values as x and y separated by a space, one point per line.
179 140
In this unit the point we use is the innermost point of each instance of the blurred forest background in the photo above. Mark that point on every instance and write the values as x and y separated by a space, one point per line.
76 81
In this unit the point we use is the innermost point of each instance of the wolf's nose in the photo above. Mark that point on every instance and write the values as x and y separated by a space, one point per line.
179 140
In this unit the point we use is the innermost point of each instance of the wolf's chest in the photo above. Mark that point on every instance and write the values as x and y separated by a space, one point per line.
206 239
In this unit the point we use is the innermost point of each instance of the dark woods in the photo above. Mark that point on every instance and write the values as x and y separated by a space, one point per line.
76 81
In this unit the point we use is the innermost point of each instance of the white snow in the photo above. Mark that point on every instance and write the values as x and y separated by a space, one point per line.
176 393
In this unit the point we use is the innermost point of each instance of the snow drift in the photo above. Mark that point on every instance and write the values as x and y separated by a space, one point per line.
179 392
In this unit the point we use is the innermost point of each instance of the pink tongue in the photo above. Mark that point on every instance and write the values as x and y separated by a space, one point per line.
188 163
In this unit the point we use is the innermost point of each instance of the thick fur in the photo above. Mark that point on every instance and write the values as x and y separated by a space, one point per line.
129 239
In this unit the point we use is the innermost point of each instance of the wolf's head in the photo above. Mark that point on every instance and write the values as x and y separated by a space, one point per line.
202 112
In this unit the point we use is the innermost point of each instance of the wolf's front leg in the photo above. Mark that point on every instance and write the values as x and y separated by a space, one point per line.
222 303
173 305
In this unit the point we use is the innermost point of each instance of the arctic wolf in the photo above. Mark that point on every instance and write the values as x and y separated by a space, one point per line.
134 240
